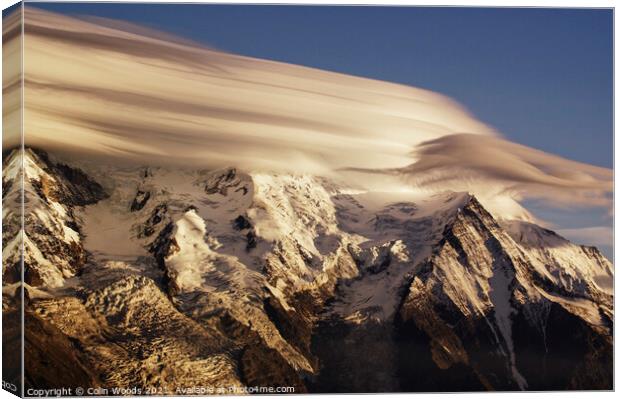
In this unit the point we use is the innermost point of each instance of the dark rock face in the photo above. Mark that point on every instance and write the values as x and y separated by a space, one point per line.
569 355
356 358
164 245
419 372
222 182
52 359
295 326
259 365
11 347
71 187
251 240
159 214
141 198
241 223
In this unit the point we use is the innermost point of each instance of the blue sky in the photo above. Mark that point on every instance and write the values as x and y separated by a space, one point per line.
543 77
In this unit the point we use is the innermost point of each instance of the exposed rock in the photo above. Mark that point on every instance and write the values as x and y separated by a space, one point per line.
241 223
251 240
140 200
222 181
158 215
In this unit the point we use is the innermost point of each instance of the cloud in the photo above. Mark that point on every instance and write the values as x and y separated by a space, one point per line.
597 235
11 80
503 173
99 88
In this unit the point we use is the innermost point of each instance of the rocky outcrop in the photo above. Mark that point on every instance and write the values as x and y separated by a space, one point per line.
140 200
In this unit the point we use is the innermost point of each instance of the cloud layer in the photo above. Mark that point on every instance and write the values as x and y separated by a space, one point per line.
503 172
99 88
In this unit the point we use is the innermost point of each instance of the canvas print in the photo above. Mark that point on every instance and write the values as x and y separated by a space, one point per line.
205 199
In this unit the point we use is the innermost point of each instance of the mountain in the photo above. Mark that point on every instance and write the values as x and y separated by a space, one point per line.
170 278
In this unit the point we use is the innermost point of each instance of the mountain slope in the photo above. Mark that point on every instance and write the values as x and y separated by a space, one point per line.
488 289
166 277
52 247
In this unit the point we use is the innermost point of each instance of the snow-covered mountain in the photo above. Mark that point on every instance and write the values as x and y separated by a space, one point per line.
167 278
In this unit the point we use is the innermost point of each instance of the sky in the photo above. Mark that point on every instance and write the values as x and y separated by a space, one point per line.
542 78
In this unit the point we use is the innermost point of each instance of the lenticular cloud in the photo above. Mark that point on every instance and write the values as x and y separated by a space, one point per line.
101 88
474 162
117 92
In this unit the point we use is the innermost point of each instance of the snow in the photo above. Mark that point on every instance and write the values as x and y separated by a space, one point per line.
49 213
13 166
205 280
567 265
194 258
108 231
296 205
500 295
32 170
410 224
